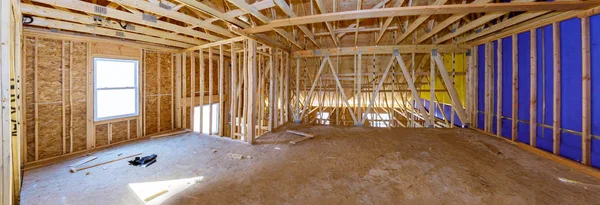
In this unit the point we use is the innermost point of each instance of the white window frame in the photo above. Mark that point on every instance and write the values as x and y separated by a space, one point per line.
136 83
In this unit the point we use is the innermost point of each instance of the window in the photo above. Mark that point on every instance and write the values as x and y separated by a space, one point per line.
323 118
379 119
115 88
206 118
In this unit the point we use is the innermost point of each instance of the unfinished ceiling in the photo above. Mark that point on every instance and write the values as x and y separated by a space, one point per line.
299 25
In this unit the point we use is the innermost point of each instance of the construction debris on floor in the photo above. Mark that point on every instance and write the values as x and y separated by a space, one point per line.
75 169
143 161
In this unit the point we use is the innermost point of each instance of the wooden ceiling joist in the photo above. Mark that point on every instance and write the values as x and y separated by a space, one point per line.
43 22
213 12
425 10
321 8
125 16
254 12
415 24
147 6
89 21
504 24
288 11
381 50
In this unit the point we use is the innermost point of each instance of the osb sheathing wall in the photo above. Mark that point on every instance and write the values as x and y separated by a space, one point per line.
57 72
158 74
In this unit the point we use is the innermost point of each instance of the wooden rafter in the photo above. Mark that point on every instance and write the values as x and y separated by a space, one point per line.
425 10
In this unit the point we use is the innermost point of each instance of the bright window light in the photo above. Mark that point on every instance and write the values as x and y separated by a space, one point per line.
115 88
206 118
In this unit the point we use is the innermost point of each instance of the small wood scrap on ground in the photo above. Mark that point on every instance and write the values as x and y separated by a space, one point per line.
86 160
75 169
235 156
154 196
306 136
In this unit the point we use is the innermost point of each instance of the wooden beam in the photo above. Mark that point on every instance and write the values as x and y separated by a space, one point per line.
533 88
412 87
499 88
155 9
337 82
125 16
213 12
252 79
355 26
444 24
312 88
39 21
515 87
386 50
502 25
251 10
327 24
425 10
288 11
415 24
387 23
89 20
556 85
585 91
456 104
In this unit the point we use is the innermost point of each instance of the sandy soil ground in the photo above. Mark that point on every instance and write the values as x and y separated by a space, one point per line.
342 165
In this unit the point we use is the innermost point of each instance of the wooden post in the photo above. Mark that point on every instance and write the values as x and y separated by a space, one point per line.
232 95
192 89
585 90
557 82
499 93
272 91
296 117
359 87
178 65
210 91
251 88
533 88
200 111
432 90
475 83
515 87
221 92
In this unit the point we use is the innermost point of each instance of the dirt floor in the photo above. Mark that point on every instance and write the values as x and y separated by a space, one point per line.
342 165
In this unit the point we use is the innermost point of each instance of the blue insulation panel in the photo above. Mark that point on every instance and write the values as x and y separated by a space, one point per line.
506 85
595 62
570 57
524 74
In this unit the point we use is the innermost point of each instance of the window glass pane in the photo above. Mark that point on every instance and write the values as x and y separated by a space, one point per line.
119 102
111 73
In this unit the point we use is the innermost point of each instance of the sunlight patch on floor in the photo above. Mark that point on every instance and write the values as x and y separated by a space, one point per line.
151 193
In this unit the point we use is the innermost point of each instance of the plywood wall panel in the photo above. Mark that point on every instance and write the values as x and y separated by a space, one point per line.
66 90
50 130
101 135
133 129
79 94
151 72
79 111
119 131
50 70
29 97
115 50
151 115
165 73
165 113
